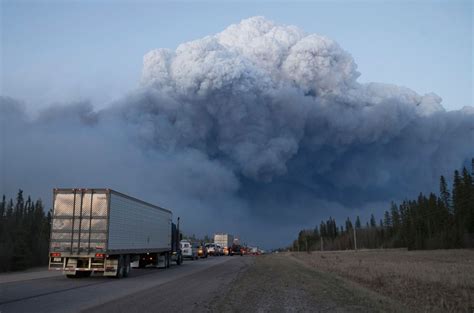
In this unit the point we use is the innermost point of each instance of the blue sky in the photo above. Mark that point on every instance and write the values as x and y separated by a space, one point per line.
58 51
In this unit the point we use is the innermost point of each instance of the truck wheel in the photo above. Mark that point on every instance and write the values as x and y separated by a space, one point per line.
86 274
127 267
120 267
167 260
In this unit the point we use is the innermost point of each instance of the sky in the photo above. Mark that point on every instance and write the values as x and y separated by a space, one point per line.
57 51
254 119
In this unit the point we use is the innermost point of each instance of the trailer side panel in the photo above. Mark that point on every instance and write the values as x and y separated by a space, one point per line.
137 226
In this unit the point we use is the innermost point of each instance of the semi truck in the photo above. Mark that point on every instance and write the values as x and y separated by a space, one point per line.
224 240
103 231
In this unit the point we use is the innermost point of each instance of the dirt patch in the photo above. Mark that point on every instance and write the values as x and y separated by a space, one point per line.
279 283
425 281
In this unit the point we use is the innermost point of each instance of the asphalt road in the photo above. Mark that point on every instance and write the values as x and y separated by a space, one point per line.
179 288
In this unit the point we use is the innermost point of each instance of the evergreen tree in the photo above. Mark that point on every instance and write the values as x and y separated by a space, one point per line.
357 223
348 225
467 202
316 232
444 193
20 204
3 206
10 209
395 217
373 224
460 208
323 230
470 188
387 220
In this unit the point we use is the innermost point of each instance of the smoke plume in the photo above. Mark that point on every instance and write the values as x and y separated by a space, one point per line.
259 130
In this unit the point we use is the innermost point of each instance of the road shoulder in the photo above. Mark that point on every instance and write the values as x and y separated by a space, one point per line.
35 273
279 283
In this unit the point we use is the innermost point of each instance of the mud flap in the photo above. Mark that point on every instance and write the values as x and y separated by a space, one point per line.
70 268
161 261
111 267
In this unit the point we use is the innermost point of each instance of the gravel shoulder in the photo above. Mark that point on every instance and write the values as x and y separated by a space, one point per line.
281 283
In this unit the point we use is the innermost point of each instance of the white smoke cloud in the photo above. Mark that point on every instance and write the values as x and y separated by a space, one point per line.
261 124
258 91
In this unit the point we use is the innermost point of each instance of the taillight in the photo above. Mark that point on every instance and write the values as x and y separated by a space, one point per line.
99 255
55 255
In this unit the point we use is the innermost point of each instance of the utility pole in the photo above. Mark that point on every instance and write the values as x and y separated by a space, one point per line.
355 240
322 249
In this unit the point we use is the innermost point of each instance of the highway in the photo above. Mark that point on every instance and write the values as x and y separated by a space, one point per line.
179 288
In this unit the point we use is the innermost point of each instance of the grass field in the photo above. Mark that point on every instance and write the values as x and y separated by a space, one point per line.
425 281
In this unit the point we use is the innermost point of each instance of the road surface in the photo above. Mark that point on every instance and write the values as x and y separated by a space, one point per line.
51 292
268 283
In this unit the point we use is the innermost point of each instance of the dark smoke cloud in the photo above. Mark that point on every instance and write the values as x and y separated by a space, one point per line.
258 130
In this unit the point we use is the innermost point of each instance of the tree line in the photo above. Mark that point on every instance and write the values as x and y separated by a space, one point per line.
24 233
431 221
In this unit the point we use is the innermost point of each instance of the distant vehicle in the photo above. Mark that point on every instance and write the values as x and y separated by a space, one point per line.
254 251
225 241
103 231
189 250
236 249
202 251
212 249
219 249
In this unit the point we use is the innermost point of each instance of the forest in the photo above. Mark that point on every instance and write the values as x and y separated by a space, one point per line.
24 233
435 221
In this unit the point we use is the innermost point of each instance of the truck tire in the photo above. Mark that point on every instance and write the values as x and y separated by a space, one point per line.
120 267
72 275
127 266
86 274
167 260
179 259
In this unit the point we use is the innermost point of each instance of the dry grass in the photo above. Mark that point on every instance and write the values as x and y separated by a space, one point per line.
425 281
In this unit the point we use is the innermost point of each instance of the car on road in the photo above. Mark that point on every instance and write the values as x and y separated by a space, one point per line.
212 249
189 250
202 250
235 249
220 249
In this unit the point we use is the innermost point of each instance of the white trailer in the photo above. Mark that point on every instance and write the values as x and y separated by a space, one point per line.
101 230
224 240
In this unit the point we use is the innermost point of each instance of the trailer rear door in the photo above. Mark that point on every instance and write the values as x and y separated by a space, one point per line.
80 221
